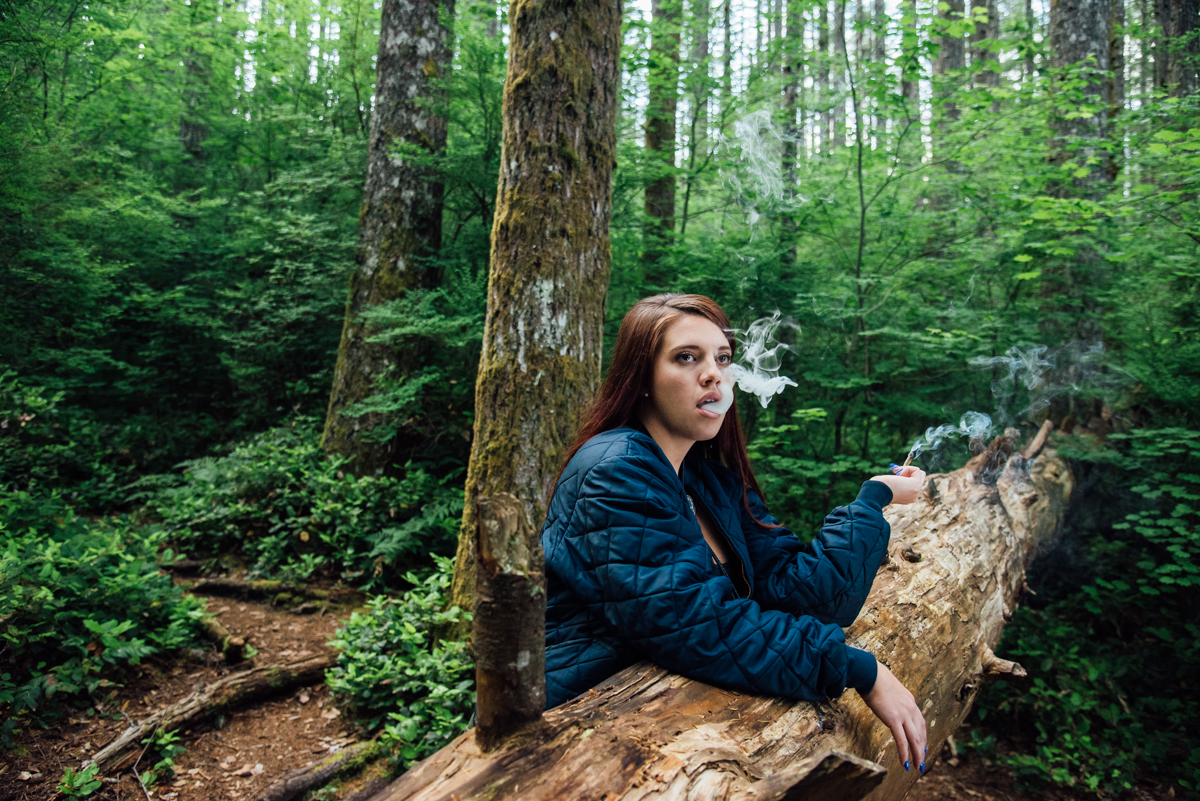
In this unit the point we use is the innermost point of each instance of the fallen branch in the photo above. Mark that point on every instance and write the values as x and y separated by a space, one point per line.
231 646
648 733
228 693
354 758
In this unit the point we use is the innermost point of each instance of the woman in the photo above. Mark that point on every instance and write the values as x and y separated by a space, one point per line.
658 544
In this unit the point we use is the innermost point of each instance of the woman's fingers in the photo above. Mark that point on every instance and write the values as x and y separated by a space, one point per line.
914 729
901 738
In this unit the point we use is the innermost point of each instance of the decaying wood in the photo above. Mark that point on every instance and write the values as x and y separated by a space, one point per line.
828 776
235 690
321 772
646 733
509 629
231 646
278 592
1038 442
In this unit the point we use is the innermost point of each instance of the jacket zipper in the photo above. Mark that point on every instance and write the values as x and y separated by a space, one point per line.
728 544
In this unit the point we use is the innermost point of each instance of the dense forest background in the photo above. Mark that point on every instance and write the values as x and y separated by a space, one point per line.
988 209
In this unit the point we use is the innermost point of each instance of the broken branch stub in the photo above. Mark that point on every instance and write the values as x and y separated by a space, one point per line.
647 733
509 628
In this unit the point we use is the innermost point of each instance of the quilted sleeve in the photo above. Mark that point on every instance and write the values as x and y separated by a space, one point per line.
830 577
657 593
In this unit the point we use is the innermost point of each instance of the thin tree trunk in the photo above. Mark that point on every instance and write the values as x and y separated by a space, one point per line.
1116 58
699 77
824 102
955 570
1029 68
791 50
661 107
984 60
910 64
400 225
951 57
550 258
727 64
878 56
839 72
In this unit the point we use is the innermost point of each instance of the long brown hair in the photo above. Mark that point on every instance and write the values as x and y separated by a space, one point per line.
631 374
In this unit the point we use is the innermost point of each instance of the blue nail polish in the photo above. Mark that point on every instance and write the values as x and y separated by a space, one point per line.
922 767
926 750
906 766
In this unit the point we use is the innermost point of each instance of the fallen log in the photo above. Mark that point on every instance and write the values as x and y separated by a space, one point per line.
277 592
237 689
934 618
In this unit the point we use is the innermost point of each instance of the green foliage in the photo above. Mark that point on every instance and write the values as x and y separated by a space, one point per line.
1115 658
78 599
79 784
393 673
166 746
286 506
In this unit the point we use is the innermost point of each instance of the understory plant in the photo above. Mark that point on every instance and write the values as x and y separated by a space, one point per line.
1114 657
395 674
289 508
79 600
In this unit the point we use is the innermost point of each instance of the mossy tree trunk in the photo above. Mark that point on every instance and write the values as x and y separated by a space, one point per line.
1180 23
661 105
400 226
792 53
550 257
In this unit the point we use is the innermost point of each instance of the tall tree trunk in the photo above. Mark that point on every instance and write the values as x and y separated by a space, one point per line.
839 72
400 224
727 64
699 78
1079 32
662 104
955 571
193 130
984 60
951 57
910 64
791 51
1116 57
550 258
1183 46
879 56
1028 76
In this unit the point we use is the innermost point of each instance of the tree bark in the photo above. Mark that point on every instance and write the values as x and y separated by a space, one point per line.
1079 34
727 64
1182 46
661 106
352 759
984 59
699 76
1116 58
839 73
400 227
231 692
550 257
509 624
910 63
955 569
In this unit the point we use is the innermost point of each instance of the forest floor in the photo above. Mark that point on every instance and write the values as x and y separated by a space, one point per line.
237 758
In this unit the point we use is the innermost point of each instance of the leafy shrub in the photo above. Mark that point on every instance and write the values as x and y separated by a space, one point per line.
391 668
287 506
1115 658
78 598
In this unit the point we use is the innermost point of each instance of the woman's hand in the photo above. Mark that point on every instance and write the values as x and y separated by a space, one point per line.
905 485
893 704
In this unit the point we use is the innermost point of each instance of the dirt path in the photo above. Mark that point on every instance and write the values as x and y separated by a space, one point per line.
227 759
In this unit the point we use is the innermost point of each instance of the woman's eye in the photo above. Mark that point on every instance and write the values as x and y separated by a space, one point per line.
686 357
724 358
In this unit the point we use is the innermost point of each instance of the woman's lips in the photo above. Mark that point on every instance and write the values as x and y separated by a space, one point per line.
716 408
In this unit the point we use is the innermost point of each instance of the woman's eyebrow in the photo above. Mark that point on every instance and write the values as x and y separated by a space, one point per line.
698 347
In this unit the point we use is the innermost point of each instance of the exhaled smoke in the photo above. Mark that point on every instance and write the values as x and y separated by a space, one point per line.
760 356
756 149
973 425
1044 373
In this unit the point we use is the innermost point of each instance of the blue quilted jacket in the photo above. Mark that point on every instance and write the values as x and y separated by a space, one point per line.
630 576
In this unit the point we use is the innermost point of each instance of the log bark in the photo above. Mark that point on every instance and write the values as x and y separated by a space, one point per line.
233 691
646 733
231 646
278 592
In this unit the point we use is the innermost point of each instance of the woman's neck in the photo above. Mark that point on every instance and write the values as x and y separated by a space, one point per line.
673 447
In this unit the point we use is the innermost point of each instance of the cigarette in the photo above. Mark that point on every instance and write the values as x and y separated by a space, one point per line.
908 461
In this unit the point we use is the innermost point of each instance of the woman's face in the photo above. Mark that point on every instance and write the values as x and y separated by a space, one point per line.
690 373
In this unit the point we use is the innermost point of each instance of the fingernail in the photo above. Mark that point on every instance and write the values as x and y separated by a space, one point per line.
926 750
906 766
922 767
